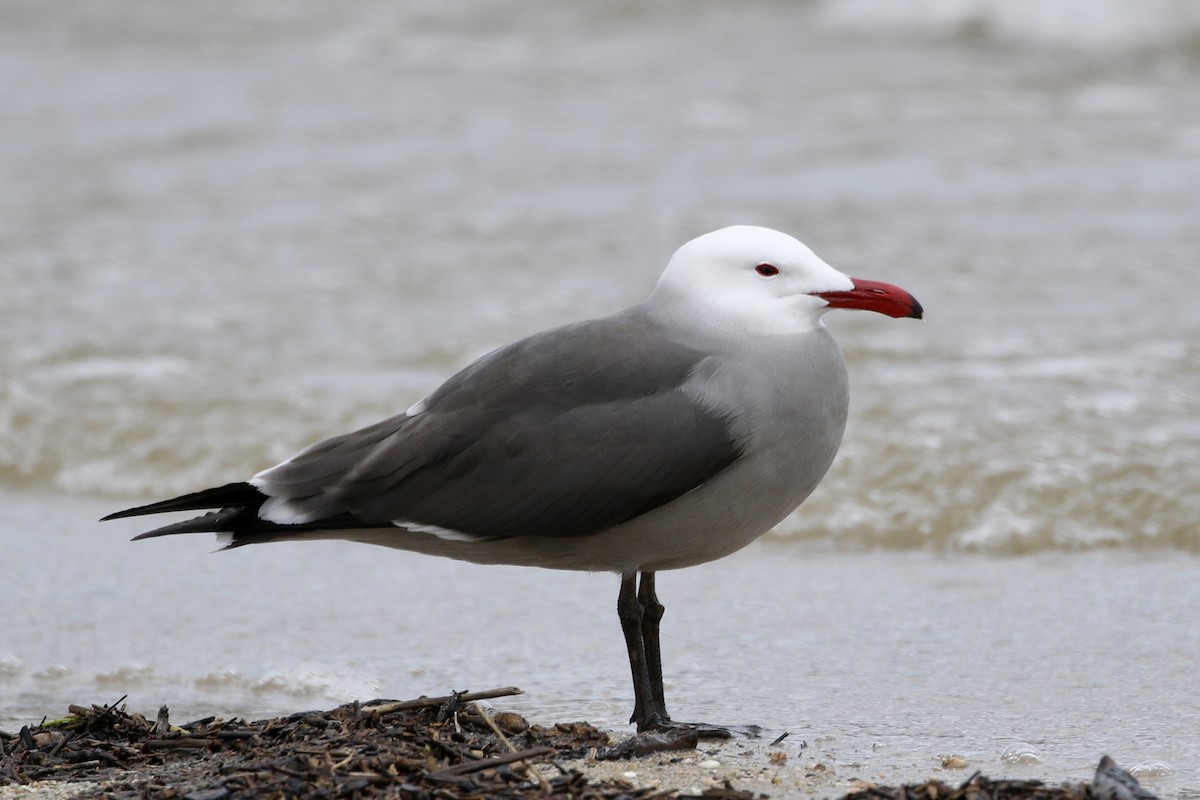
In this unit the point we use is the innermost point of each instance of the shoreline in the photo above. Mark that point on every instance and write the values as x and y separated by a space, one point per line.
446 747
885 663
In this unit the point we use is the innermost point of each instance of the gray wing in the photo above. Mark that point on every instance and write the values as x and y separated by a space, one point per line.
566 433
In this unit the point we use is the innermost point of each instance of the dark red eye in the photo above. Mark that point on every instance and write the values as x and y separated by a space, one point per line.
767 270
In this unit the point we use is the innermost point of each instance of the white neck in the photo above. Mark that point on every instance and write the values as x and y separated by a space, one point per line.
730 315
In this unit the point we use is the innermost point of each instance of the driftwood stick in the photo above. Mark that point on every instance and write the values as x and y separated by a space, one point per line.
236 734
62 742
179 744
488 763
435 702
104 711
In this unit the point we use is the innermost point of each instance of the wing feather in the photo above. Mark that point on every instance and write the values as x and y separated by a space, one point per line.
566 433
563 434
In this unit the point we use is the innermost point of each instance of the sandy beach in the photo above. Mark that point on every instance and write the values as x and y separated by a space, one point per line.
449 747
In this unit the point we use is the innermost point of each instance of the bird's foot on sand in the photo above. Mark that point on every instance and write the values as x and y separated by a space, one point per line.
706 730
664 736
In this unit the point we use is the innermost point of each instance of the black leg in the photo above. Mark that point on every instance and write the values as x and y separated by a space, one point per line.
630 613
648 710
652 614
641 613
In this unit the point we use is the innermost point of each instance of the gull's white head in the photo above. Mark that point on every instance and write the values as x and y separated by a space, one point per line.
760 280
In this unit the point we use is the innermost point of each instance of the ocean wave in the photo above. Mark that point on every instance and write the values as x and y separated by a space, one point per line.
1089 25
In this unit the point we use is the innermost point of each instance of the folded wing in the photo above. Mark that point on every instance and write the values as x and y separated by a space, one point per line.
565 433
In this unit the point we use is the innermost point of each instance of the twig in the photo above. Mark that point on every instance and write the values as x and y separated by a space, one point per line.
529 770
435 702
285 771
178 744
106 710
236 734
487 763
66 738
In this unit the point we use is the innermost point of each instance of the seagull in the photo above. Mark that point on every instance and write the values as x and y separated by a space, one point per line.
666 435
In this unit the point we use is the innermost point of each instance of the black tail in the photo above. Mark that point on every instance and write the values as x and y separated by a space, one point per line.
231 495
238 505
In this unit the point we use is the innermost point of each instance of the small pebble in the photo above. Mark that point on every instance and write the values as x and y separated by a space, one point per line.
220 793
510 722
709 763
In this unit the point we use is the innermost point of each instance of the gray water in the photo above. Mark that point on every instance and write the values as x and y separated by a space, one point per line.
229 230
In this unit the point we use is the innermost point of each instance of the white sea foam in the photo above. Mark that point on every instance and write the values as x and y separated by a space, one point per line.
1100 25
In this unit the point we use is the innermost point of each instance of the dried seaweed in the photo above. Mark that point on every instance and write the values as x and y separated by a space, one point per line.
427 748
977 787
440 748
